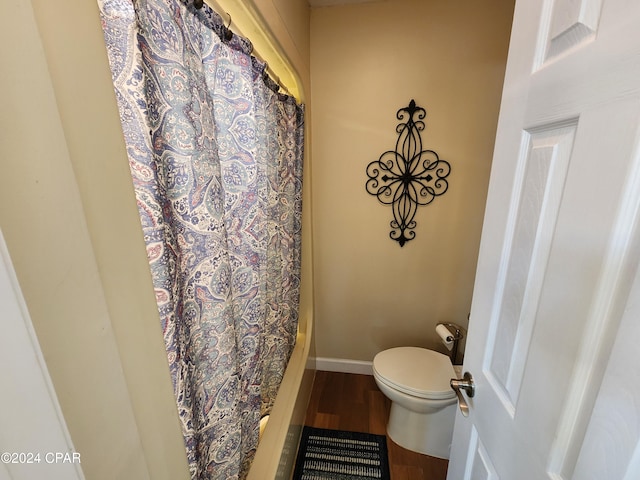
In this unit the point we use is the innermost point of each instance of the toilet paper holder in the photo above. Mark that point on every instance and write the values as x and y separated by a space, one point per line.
456 335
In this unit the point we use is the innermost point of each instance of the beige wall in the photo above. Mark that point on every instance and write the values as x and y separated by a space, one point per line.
368 61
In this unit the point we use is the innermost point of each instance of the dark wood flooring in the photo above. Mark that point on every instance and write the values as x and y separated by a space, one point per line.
345 401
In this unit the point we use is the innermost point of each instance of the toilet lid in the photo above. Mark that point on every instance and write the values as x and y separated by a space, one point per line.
416 371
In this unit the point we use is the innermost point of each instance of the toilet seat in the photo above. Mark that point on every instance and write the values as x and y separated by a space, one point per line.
416 371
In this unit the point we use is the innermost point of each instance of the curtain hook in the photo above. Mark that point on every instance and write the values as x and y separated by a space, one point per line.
228 34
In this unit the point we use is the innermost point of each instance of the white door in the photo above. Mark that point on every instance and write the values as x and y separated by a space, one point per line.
554 334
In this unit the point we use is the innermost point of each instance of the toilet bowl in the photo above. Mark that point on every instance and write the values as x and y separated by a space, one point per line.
423 405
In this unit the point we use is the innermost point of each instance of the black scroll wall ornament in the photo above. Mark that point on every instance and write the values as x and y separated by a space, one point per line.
408 176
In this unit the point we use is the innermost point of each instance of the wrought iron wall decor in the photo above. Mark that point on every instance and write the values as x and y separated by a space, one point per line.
408 176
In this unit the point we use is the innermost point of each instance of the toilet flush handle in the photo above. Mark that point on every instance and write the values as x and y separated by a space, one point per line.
465 383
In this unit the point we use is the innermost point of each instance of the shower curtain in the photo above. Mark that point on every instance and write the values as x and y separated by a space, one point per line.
216 159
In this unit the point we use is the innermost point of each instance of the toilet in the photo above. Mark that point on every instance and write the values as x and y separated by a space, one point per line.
423 405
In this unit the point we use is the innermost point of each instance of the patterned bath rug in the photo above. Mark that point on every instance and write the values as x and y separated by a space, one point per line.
339 455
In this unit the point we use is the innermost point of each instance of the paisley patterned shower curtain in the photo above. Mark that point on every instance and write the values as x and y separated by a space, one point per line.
216 159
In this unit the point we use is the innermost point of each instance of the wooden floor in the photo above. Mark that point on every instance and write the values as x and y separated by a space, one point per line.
345 401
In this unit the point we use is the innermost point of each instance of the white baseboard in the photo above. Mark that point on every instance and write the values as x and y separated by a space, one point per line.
344 365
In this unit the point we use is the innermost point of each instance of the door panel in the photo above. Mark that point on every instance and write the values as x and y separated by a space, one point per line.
566 25
535 202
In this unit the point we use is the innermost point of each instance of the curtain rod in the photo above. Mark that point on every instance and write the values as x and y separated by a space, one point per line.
215 6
